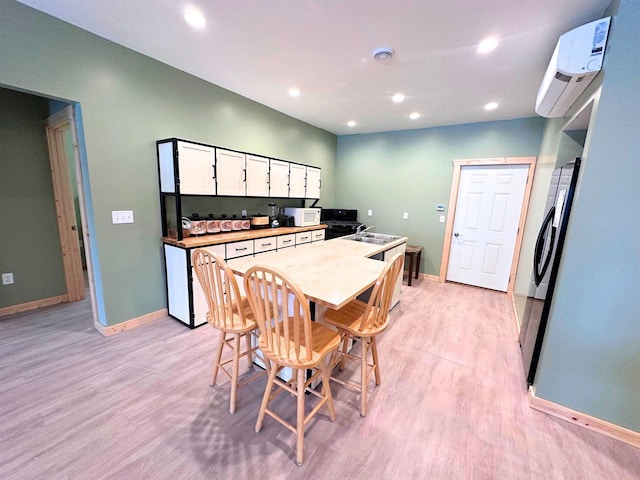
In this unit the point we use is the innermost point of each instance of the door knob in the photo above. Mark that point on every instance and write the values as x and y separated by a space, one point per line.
456 234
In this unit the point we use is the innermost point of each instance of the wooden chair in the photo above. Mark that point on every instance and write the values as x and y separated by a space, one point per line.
364 321
230 313
288 338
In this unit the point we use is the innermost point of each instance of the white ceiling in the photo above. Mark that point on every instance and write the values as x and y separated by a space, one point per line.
260 48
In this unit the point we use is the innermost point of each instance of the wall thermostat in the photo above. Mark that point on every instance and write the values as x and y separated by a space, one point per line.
439 208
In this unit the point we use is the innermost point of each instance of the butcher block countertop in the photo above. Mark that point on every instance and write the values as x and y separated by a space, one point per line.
218 238
331 273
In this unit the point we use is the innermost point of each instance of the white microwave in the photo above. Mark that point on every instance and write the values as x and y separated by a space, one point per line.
303 217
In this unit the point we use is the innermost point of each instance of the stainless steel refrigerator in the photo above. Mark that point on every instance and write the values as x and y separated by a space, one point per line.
546 262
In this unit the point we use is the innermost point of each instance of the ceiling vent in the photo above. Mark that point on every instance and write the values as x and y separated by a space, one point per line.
383 54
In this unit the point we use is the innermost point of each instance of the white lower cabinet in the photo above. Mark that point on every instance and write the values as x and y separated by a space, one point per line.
186 301
388 255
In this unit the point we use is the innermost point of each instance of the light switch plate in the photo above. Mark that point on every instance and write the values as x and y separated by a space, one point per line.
369 213
7 278
122 216
405 216
441 218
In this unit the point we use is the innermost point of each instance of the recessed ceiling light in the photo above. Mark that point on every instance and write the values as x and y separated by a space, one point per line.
414 116
195 18
398 97
487 45
294 92
351 123
491 106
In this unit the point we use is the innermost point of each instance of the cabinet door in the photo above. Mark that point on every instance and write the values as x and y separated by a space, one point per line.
278 178
257 176
195 169
297 180
397 290
313 182
230 171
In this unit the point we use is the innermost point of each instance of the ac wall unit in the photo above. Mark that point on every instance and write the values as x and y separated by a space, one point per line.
576 61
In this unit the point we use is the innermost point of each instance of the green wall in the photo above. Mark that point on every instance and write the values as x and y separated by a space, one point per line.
128 101
411 171
29 239
591 360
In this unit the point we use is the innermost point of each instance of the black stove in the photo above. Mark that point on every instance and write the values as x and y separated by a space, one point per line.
339 222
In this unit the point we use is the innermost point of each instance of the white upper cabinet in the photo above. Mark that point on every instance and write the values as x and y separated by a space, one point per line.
257 176
196 169
313 182
230 171
279 178
297 180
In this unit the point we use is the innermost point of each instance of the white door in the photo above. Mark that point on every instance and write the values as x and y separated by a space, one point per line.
257 176
485 226
195 164
230 172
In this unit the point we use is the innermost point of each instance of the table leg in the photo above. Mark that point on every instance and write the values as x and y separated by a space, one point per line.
410 269
418 263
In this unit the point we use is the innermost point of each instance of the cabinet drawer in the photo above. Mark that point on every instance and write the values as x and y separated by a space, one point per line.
239 249
264 244
317 235
284 241
303 237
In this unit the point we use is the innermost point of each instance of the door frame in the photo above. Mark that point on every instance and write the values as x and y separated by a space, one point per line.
453 202
55 127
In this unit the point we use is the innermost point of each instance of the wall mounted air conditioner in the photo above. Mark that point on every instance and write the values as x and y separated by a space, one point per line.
576 61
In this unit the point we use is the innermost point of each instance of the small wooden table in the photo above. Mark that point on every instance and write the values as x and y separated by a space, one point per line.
413 253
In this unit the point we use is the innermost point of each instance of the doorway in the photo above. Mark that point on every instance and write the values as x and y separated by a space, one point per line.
488 206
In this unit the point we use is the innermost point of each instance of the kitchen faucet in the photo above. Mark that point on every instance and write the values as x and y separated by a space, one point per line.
360 230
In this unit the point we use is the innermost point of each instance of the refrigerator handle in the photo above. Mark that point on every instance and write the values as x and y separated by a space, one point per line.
538 272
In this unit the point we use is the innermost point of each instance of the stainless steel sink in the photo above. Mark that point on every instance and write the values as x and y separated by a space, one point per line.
375 238
382 236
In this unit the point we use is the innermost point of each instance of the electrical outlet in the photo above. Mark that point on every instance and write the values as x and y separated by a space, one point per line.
122 216
244 213
7 278
370 213
405 216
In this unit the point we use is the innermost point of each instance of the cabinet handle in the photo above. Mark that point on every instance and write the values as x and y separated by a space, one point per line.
286 241
240 249
245 174
266 244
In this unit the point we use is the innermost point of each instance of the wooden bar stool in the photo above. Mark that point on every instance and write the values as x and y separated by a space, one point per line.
413 253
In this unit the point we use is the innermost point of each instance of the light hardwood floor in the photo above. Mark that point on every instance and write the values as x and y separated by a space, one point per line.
138 405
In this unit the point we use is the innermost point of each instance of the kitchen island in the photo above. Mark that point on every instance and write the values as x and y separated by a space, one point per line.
330 273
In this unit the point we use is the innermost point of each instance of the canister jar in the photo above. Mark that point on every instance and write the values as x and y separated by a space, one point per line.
186 227
213 224
246 223
236 223
198 225
225 224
